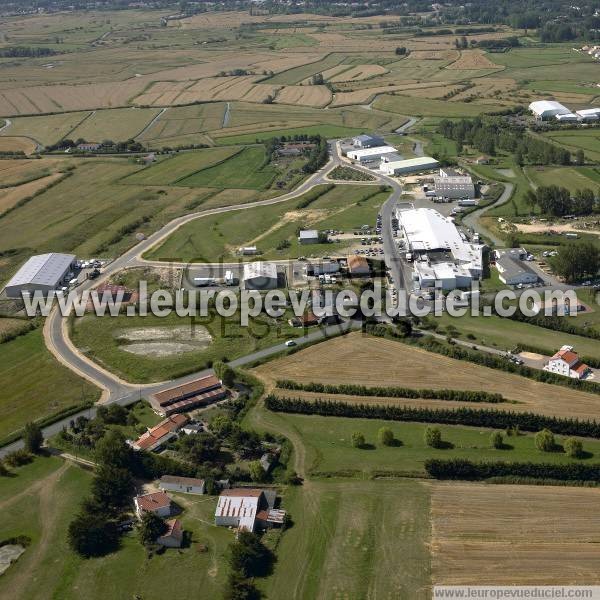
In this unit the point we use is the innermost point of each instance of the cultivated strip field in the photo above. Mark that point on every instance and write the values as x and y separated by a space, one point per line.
514 535
370 361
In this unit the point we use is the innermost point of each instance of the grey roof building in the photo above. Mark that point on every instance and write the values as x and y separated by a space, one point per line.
308 236
514 271
43 272
367 141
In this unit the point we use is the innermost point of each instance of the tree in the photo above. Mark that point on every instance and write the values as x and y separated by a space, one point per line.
225 373
496 440
576 261
358 439
257 473
4 472
151 527
433 437
239 588
32 437
112 450
112 487
90 534
573 448
248 556
580 157
544 440
385 436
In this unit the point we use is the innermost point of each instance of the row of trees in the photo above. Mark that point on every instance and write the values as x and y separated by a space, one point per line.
26 52
494 419
558 201
393 392
575 262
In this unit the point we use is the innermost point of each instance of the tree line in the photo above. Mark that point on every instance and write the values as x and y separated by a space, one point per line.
26 52
493 419
558 201
393 392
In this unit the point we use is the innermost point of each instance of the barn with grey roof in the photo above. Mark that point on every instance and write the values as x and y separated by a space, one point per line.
42 272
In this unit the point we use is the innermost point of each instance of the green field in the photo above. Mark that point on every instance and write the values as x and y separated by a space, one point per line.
328 131
45 130
34 384
298 74
98 337
574 139
218 236
572 178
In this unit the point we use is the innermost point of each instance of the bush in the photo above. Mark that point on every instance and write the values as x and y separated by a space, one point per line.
496 440
90 534
32 438
433 437
573 448
544 441
385 436
358 439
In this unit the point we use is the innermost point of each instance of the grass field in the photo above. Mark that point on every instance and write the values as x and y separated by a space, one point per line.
586 139
390 363
424 107
218 236
45 130
99 338
514 535
572 178
34 384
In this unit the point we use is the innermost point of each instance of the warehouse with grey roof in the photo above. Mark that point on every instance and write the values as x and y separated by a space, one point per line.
42 272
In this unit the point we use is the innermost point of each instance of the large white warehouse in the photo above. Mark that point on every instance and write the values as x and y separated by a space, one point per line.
260 276
429 234
547 109
370 154
43 272
411 165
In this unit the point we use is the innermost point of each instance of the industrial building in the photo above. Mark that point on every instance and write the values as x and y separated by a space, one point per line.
43 272
308 236
365 155
589 114
188 396
411 165
547 109
451 184
513 271
367 141
443 255
260 276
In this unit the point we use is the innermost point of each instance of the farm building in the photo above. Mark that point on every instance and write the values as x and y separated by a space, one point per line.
41 273
173 536
454 186
366 155
358 266
566 362
160 434
247 509
260 276
188 396
547 109
308 236
367 141
512 271
157 502
589 114
411 165
567 118
183 485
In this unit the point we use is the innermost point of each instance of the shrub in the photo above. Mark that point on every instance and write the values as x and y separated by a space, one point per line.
386 436
358 439
573 448
433 437
496 440
544 441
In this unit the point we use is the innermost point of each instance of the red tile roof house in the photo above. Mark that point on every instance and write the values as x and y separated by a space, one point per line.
173 536
188 396
566 362
247 509
157 502
160 434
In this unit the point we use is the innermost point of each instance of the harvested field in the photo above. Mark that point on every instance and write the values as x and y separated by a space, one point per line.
473 60
514 535
18 172
9 197
47 129
365 360
309 95
363 96
17 144
359 72
434 55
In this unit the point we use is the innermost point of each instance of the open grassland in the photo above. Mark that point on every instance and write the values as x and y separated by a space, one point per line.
587 140
514 535
572 178
11 196
47 129
215 237
365 360
34 385
21 171
117 125
328 445
181 166
357 539
100 339
41 501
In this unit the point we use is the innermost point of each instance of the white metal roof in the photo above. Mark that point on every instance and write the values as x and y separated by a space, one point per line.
257 269
567 117
587 112
548 107
43 269
371 151
309 233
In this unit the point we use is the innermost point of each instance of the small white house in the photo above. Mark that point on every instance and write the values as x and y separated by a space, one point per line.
566 362
157 502
183 485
